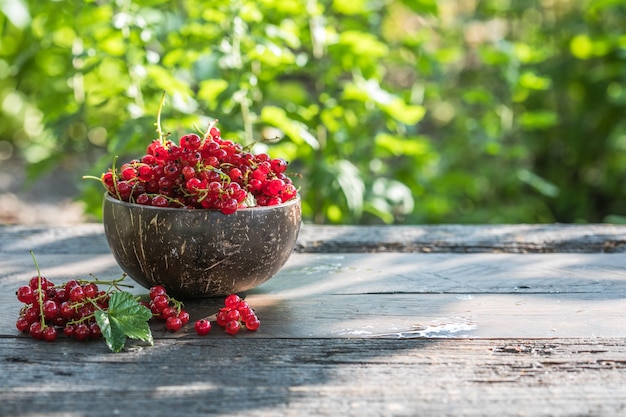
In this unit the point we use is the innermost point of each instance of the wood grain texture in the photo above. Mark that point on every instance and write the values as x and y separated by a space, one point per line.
400 295
320 377
444 320
549 238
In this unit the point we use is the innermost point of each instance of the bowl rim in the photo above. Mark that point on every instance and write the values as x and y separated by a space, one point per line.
112 199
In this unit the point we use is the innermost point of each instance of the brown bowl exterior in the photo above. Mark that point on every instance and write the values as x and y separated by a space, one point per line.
201 253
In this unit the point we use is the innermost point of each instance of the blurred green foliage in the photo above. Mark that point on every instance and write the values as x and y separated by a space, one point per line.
390 111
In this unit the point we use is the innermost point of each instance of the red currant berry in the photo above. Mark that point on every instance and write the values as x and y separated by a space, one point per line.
143 199
94 331
67 310
232 300
86 311
77 294
229 206
252 322
168 312
193 184
173 324
183 316
148 159
71 284
124 189
275 187
222 316
22 324
32 314
160 302
61 295
262 157
107 179
215 133
274 201
157 290
279 165
202 327
235 174
34 283
160 201
233 327
233 315
188 172
25 294
245 312
49 334
82 332
36 330
51 310
68 330
193 158
190 141
289 192
90 290
129 173
145 173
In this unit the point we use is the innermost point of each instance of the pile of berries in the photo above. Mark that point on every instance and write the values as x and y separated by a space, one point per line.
204 172
48 308
236 315
233 317
166 308
70 306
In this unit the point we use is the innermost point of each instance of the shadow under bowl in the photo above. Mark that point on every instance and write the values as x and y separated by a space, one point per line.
201 253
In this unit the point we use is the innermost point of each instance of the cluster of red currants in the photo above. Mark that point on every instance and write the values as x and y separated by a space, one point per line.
70 307
201 172
166 308
233 317
236 315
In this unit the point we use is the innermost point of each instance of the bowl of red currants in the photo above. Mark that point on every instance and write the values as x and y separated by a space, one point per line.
202 216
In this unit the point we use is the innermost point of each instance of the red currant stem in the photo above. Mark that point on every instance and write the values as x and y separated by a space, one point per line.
177 304
114 283
92 177
88 300
39 291
117 192
158 123
83 319
223 176
208 130
271 140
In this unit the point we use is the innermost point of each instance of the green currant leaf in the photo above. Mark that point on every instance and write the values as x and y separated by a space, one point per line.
113 337
124 318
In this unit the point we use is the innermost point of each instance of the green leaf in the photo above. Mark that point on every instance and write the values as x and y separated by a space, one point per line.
124 318
211 89
539 120
351 184
540 184
297 131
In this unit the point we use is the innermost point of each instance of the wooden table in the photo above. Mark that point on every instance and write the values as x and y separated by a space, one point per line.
526 320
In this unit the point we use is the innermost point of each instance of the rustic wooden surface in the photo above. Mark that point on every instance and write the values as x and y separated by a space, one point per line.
524 320
523 238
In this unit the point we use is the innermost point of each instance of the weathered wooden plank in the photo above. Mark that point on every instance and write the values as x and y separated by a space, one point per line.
401 294
552 238
321 377
309 274
522 238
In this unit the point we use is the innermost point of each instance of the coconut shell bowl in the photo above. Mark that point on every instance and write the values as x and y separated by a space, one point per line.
201 253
